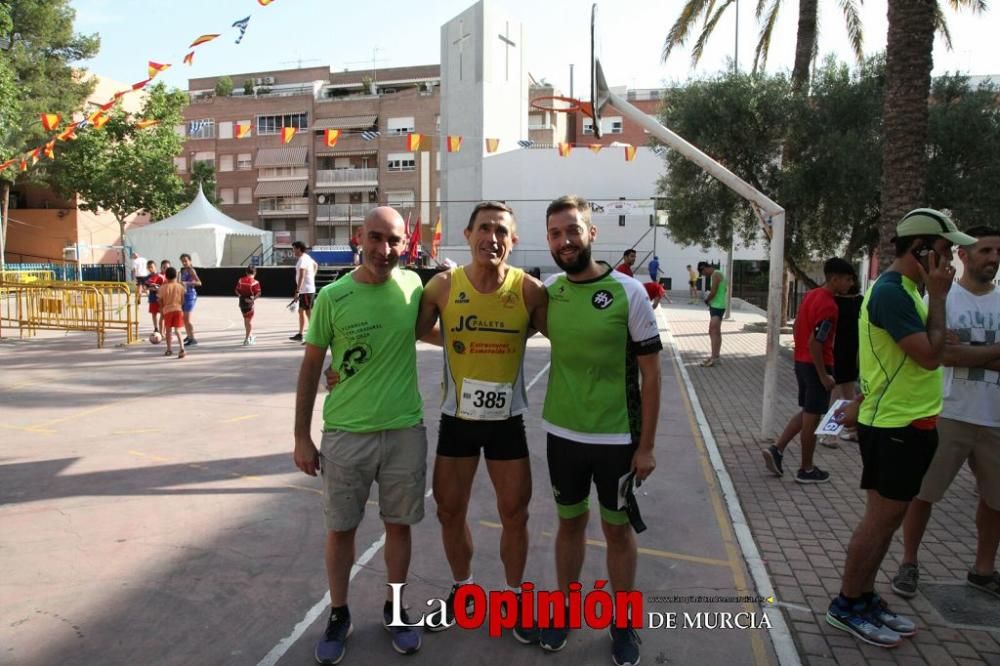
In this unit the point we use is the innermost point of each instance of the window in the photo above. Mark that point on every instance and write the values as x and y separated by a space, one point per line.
609 125
437 160
399 125
400 198
225 162
226 130
181 130
181 164
273 124
245 195
226 196
401 162
203 156
201 129
538 120
244 161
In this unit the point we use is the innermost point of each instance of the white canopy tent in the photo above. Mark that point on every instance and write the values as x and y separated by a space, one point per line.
211 237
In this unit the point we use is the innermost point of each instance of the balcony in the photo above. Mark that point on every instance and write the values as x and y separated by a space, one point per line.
342 212
346 177
288 207
283 173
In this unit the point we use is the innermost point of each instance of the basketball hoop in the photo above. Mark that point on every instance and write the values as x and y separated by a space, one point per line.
573 105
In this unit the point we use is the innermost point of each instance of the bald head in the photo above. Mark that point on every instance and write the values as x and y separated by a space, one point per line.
382 241
383 214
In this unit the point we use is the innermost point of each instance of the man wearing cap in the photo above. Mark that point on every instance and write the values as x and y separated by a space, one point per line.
901 351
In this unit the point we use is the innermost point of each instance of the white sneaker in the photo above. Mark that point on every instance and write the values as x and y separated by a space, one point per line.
251 340
246 341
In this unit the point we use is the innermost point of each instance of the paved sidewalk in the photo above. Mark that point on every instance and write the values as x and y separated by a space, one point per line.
803 531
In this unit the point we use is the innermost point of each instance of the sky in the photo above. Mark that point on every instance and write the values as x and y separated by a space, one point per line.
290 33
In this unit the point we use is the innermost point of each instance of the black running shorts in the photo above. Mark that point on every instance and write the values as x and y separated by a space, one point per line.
813 396
573 465
895 459
499 440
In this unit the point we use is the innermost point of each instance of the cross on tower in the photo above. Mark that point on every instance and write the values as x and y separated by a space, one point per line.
460 42
507 43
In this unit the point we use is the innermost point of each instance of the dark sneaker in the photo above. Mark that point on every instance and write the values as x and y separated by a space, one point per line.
857 621
297 337
553 639
187 340
989 584
405 640
815 475
904 583
190 342
330 648
624 646
449 610
525 635
772 458
880 612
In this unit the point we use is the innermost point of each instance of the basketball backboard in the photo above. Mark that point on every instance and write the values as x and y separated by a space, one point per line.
598 86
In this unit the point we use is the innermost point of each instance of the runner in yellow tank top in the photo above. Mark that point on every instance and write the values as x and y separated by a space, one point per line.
486 309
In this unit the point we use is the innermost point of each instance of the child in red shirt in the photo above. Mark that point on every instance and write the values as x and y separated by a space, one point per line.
248 291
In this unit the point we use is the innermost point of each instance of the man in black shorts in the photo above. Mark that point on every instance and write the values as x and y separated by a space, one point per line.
815 326
305 285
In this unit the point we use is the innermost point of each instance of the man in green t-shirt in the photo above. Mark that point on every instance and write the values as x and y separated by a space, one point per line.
372 424
600 419
716 302
902 347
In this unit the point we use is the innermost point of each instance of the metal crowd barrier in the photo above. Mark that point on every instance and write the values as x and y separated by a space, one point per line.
27 276
97 307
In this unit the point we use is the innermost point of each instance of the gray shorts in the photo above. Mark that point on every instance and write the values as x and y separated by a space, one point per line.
396 459
959 442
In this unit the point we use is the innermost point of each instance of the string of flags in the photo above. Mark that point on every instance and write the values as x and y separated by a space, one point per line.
96 120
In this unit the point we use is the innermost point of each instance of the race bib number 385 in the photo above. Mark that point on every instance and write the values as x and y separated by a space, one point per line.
484 401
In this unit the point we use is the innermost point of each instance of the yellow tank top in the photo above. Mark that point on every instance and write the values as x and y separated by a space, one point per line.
484 338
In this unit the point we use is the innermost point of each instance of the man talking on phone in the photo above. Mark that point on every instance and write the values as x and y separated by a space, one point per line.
902 348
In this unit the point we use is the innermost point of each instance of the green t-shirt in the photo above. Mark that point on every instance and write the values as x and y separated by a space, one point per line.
897 390
369 329
597 330
720 295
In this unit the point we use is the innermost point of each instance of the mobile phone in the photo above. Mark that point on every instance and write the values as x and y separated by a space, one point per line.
920 254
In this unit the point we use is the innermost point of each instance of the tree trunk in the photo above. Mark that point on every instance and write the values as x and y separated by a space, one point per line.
909 59
126 264
4 212
805 44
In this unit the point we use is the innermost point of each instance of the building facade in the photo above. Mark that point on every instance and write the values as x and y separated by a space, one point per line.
305 189
615 128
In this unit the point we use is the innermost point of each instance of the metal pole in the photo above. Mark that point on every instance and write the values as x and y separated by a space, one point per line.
769 209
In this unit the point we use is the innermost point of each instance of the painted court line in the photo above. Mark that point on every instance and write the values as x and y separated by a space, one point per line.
272 657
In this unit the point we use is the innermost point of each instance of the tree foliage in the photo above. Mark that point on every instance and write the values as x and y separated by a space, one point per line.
203 175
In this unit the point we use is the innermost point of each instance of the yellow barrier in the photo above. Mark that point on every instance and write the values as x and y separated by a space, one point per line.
70 306
27 276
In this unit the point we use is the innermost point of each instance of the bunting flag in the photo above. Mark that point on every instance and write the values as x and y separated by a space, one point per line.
265 3
7 164
413 252
629 153
287 133
526 143
140 85
331 137
143 124
24 165
413 141
35 154
370 135
117 96
437 238
454 143
107 105
67 134
154 68
202 40
99 120
492 145
50 121
242 25
189 58
564 149
242 130
49 149
596 148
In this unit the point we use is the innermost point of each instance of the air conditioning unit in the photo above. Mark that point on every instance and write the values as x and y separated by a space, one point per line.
69 253
268 80
258 81
321 198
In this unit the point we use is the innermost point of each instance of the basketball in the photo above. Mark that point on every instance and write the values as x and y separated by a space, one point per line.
155 338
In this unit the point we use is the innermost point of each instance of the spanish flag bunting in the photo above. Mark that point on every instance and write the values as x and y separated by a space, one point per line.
203 39
596 147
35 154
108 105
265 3
189 58
454 143
99 120
155 68
143 124
331 137
242 130
564 149
50 121
7 164
67 134
24 165
437 238
49 150
118 95
287 133
140 85
413 141
629 153
492 145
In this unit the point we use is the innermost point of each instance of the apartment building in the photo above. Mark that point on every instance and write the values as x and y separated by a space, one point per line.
614 126
305 190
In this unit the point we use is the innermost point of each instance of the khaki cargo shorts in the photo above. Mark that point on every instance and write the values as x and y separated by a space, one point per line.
959 441
395 459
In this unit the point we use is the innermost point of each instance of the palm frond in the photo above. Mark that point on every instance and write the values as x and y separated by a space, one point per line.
682 26
764 41
706 32
976 6
941 26
855 30
760 9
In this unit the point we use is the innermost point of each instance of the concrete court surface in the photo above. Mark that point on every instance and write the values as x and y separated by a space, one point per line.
151 513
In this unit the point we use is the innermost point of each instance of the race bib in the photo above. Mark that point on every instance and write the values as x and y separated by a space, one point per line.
485 401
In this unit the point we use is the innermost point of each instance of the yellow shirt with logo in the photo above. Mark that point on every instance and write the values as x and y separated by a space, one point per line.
484 338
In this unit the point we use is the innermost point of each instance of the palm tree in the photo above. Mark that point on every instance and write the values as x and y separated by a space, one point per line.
767 15
909 60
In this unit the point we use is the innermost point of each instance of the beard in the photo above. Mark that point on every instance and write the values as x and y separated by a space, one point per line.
577 265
